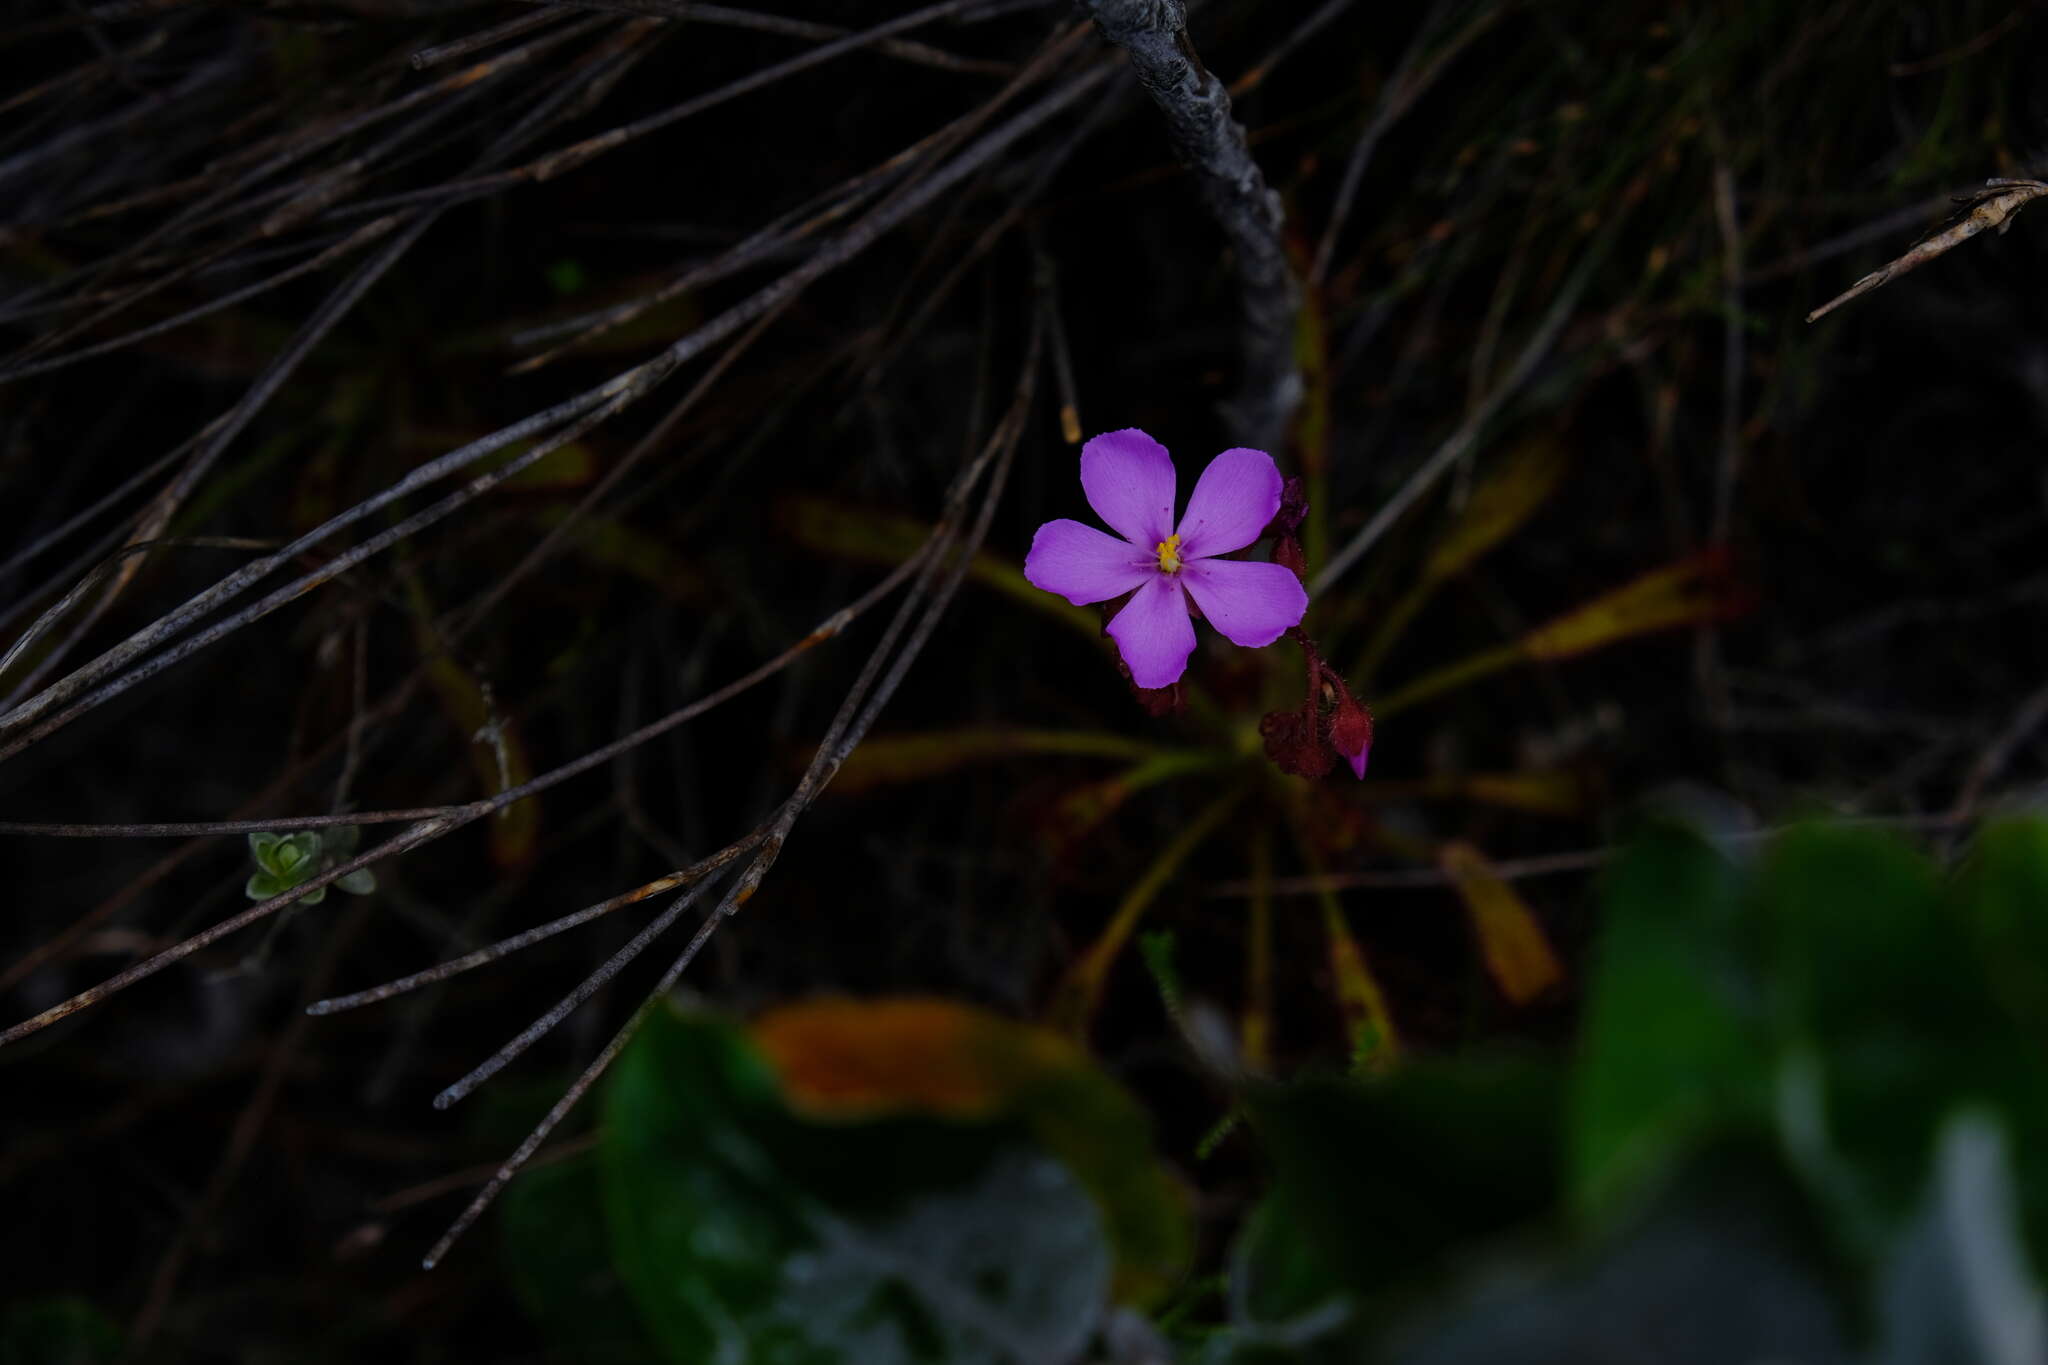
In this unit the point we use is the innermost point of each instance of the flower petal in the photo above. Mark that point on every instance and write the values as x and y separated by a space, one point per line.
1233 500
1154 633
1083 564
1251 602
1129 480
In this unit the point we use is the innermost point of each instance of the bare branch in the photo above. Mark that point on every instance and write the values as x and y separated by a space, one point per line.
1212 144
1994 206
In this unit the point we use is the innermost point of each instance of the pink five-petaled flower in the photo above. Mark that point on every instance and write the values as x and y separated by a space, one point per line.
1129 480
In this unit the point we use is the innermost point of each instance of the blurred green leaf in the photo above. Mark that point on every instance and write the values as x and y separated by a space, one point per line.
553 1241
1874 979
1726 1264
261 886
1673 1042
1958 1290
746 1234
57 1331
360 882
1379 1187
2003 898
1089 1122
1383 1181
1286 1302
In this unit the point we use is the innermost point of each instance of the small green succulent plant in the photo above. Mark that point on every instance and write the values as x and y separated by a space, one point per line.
284 861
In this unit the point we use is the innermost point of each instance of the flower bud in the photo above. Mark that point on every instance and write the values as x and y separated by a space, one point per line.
1351 731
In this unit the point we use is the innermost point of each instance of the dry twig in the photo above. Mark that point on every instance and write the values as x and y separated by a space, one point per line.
1994 206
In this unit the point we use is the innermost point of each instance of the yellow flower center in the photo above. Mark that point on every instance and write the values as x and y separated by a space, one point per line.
1169 554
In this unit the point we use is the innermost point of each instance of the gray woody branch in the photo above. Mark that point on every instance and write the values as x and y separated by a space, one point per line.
1212 144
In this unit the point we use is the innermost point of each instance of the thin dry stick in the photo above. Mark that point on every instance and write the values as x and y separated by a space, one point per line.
145 106
613 395
216 439
390 705
558 534
1022 201
248 1127
89 75
302 200
476 1175
806 219
1970 48
452 818
1992 207
2030 716
505 947
757 248
282 152
1447 454
920 54
54 946
1732 361
327 572
106 566
1204 135
1399 96
565 159
839 741
221 432
521 1154
177 952
1517 869
1047 280
483 38
1303 31
1708 672
439 820
771 833
568 1004
59 533
347 246
198 829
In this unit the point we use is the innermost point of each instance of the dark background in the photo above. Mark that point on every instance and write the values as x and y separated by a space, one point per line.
194 1157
